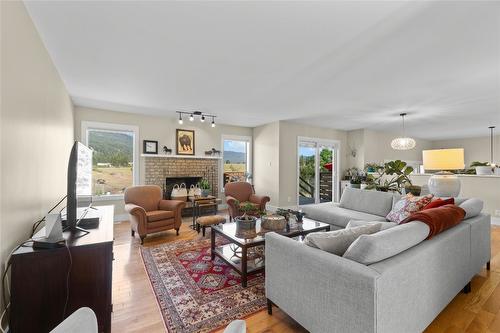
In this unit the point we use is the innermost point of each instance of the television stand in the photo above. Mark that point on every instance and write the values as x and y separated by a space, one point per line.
39 278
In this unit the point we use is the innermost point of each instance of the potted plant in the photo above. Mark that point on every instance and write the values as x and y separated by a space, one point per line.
482 168
246 221
372 167
393 176
355 182
205 187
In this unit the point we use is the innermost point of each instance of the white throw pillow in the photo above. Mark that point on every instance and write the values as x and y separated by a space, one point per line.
358 223
338 241
472 207
369 249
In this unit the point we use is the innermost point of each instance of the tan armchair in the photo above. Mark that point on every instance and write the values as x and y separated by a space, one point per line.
242 193
148 213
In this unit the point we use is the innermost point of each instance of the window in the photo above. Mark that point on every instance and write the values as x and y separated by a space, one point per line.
236 158
114 157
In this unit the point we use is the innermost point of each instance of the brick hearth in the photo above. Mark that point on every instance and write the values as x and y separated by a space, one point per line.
158 168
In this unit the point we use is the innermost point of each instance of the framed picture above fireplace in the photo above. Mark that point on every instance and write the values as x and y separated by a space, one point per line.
184 142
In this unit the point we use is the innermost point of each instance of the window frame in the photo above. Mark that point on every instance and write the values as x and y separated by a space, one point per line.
87 126
248 140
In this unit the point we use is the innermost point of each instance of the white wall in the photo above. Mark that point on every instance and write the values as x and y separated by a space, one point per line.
161 129
476 149
36 128
266 152
377 148
355 146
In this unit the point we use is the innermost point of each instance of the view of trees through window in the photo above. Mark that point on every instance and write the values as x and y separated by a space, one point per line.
235 160
112 169
307 173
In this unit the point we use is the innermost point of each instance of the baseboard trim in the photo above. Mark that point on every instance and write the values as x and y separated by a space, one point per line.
495 220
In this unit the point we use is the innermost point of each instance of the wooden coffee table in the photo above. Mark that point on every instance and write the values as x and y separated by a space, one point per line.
245 250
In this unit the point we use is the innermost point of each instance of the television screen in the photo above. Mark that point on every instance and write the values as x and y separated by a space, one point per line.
84 171
79 184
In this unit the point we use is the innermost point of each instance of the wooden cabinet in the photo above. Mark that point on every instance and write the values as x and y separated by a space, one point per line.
41 280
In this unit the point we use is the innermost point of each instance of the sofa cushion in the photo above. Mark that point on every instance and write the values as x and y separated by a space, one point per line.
472 207
331 213
371 202
369 249
158 215
357 223
406 206
338 241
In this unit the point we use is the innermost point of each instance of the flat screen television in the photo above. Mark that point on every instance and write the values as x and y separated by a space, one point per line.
79 196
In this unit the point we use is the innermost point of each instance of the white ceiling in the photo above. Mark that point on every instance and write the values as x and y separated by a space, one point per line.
344 65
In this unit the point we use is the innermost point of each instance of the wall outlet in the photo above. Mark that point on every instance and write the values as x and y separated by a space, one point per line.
290 200
497 212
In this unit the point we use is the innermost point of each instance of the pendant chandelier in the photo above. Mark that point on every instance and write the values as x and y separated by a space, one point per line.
404 142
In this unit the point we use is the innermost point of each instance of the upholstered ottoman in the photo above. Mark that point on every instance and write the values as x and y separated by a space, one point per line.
207 221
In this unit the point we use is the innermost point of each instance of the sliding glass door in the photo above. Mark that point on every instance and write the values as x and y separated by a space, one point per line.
307 173
317 171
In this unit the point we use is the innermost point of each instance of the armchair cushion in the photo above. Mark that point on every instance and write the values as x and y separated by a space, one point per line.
255 205
259 200
171 205
158 215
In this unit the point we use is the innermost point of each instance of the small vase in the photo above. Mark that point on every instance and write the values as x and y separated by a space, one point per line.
205 193
484 170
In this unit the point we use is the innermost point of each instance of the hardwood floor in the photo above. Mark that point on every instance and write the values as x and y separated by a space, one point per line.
135 308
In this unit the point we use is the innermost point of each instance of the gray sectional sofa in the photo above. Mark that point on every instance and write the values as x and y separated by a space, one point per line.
401 293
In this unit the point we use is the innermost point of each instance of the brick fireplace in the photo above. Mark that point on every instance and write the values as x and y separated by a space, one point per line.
159 168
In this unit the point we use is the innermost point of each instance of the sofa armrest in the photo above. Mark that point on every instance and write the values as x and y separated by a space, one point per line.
134 209
233 206
231 200
138 218
322 291
260 200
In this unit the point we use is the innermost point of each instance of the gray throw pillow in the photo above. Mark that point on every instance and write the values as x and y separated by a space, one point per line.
369 249
338 241
472 207
357 223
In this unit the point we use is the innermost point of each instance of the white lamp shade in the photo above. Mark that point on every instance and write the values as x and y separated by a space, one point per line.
443 159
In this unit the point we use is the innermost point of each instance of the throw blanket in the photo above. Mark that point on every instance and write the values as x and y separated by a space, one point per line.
438 219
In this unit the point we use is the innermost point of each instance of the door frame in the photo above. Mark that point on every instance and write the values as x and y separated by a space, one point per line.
336 160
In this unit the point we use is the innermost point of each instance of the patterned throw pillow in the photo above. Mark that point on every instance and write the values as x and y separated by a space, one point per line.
406 206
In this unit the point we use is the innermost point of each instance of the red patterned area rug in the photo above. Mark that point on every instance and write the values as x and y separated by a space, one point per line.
195 294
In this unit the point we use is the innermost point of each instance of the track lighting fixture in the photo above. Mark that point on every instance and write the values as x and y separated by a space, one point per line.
200 114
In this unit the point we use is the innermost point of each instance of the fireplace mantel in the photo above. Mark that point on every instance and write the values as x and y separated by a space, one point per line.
184 156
